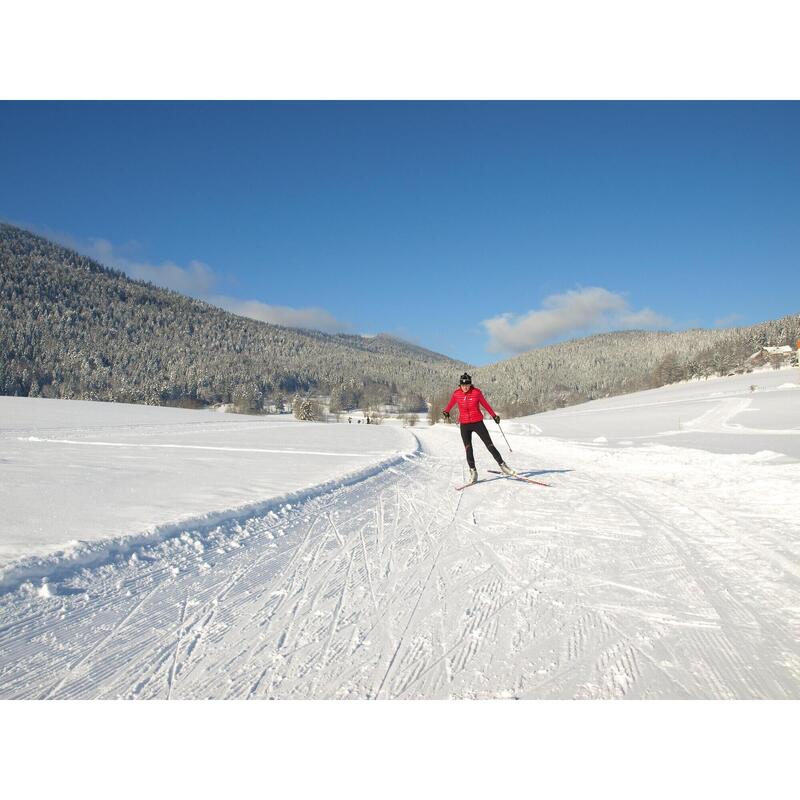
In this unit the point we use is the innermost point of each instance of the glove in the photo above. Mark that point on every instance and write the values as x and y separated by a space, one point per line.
446 414
496 418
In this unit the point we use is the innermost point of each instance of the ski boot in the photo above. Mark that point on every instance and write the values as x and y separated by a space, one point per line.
473 476
506 470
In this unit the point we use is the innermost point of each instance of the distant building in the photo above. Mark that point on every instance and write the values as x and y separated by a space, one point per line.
766 352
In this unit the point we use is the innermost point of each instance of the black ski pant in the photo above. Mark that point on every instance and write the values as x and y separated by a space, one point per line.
467 430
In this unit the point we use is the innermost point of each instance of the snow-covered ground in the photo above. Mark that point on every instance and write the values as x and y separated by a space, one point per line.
737 414
75 472
663 562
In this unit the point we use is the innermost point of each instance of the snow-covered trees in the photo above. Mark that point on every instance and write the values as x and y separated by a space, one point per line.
306 409
668 370
438 402
411 402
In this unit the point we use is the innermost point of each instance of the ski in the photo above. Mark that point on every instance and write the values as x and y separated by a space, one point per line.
519 477
502 475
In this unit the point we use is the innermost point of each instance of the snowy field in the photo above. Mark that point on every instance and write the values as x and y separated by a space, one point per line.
76 472
738 414
663 562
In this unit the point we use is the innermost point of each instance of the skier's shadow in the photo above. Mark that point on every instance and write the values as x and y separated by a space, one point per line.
530 473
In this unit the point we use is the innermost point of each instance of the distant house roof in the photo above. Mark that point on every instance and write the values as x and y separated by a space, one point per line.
768 350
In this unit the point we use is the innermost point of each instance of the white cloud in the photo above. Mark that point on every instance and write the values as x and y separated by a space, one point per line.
646 318
729 321
196 279
315 318
576 312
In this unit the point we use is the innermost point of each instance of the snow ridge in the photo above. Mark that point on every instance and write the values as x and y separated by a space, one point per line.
93 554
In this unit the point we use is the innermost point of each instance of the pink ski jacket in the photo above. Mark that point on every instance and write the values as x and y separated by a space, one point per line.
469 405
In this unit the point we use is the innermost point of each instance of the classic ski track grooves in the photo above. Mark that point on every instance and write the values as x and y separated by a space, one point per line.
614 586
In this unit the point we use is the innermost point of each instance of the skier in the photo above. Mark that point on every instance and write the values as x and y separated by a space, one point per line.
469 399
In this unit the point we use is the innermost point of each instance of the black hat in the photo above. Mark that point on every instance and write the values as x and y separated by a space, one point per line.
465 379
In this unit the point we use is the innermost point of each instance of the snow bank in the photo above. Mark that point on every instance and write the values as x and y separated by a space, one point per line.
78 479
61 563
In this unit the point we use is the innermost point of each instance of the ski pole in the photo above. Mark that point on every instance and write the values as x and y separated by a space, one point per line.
504 436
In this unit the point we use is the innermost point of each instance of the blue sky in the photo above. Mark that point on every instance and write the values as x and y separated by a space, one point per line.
476 229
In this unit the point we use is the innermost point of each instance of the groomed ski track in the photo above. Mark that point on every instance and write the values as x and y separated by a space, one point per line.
616 582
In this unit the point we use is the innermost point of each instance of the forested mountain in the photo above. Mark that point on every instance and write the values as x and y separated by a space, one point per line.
72 328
